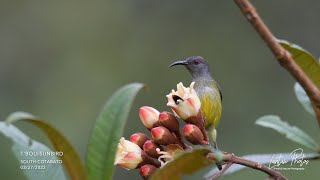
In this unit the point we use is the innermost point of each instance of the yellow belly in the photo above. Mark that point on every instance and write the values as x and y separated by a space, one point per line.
211 108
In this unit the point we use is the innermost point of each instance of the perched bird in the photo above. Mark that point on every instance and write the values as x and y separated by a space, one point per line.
208 91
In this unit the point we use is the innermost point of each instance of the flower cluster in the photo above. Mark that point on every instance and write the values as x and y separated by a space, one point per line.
148 154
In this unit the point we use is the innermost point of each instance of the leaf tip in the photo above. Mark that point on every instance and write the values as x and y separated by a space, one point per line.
18 115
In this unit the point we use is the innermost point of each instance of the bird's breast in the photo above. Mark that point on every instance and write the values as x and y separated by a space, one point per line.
211 106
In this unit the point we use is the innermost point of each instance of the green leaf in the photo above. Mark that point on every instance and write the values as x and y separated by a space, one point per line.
23 147
185 163
107 132
303 98
305 60
291 132
260 158
70 158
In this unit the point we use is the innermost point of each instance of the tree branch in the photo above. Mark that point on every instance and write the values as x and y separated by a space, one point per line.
232 159
283 56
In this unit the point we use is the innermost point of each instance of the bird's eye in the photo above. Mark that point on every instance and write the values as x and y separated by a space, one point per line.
196 62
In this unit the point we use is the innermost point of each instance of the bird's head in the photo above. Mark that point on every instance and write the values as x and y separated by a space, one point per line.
196 65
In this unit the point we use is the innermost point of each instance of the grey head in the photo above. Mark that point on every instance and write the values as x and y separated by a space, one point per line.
197 66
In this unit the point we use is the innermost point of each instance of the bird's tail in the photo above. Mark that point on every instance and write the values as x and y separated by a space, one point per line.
213 142
212 133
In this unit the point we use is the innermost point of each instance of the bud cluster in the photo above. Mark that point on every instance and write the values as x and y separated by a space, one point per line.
147 154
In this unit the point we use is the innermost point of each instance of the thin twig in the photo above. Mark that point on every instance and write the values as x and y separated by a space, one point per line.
284 57
200 123
215 176
316 110
231 158
177 134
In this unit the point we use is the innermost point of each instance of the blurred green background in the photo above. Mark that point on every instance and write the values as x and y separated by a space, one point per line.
61 60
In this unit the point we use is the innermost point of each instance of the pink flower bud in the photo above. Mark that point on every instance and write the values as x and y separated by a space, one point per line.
149 116
147 170
169 121
193 134
129 155
163 136
184 102
150 148
139 139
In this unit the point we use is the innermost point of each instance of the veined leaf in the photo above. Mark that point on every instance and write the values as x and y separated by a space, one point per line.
70 158
25 150
305 60
107 132
185 163
291 132
303 99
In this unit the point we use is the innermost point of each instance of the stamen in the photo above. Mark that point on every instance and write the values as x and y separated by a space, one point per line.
165 155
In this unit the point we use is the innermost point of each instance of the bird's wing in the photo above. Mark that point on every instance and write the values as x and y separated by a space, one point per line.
220 91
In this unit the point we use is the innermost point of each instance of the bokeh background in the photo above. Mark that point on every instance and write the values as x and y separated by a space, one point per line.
61 60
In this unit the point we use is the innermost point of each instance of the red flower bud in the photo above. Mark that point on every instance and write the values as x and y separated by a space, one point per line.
193 134
149 116
169 121
139 139
163 136
147 170
150 148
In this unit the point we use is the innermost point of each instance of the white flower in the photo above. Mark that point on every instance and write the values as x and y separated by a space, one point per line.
184 102
128 154
164 158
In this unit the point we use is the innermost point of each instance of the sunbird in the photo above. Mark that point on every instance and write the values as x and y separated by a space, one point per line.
209 94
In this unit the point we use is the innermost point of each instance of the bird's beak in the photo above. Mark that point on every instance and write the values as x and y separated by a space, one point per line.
179 63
